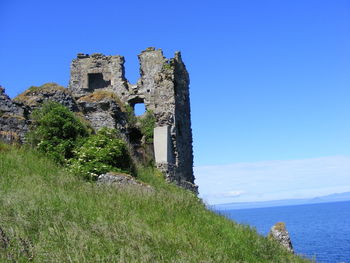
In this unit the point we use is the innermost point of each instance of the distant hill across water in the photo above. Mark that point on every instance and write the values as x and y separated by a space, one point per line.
322 199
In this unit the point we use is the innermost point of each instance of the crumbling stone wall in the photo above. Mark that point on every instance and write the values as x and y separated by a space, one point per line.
99 90
164 89
97 72
102 109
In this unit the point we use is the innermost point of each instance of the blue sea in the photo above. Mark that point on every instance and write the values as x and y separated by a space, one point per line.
318 231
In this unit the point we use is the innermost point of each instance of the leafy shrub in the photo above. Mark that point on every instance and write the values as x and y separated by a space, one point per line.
56 131
101 153
147 124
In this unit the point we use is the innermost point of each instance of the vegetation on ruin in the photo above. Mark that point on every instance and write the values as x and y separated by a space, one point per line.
64 138
99 95
101 153
147 124
84 121
130 116
27 96
50 215
168 66
56 131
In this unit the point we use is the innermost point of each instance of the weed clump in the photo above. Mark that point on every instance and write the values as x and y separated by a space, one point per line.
147 124
280 226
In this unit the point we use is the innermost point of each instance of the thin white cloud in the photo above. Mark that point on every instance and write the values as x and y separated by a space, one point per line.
233 193
273 180
229 194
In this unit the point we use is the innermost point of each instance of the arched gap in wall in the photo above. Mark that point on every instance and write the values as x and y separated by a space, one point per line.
138 105
139 109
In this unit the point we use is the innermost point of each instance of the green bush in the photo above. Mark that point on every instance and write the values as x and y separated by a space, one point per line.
56 131
101 153
147 124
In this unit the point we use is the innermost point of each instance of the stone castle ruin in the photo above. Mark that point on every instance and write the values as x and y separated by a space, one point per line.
99 90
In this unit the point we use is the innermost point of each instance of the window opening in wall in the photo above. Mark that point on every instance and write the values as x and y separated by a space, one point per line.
139 109
96 81
132 65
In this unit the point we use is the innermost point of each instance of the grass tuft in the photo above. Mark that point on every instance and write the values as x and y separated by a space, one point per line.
280 226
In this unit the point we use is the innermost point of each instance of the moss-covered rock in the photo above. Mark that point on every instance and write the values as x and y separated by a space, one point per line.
33 97
100 95
279 233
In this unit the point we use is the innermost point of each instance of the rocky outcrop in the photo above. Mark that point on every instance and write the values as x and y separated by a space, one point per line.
13 124
8 106
119 179
33 97
279 233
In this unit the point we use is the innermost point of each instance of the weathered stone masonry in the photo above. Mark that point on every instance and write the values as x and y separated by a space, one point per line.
99 90
164 89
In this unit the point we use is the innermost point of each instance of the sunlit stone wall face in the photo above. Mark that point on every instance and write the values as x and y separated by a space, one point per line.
163 87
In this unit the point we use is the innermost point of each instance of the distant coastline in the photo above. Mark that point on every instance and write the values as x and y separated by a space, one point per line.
338 197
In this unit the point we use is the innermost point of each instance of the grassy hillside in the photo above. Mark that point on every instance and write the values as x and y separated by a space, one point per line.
48 215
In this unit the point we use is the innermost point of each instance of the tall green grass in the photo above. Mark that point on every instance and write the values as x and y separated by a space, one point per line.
48 215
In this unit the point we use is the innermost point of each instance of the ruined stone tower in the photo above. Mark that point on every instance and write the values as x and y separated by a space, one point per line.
163 87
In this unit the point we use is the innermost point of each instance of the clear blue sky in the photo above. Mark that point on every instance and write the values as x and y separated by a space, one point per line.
270 79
